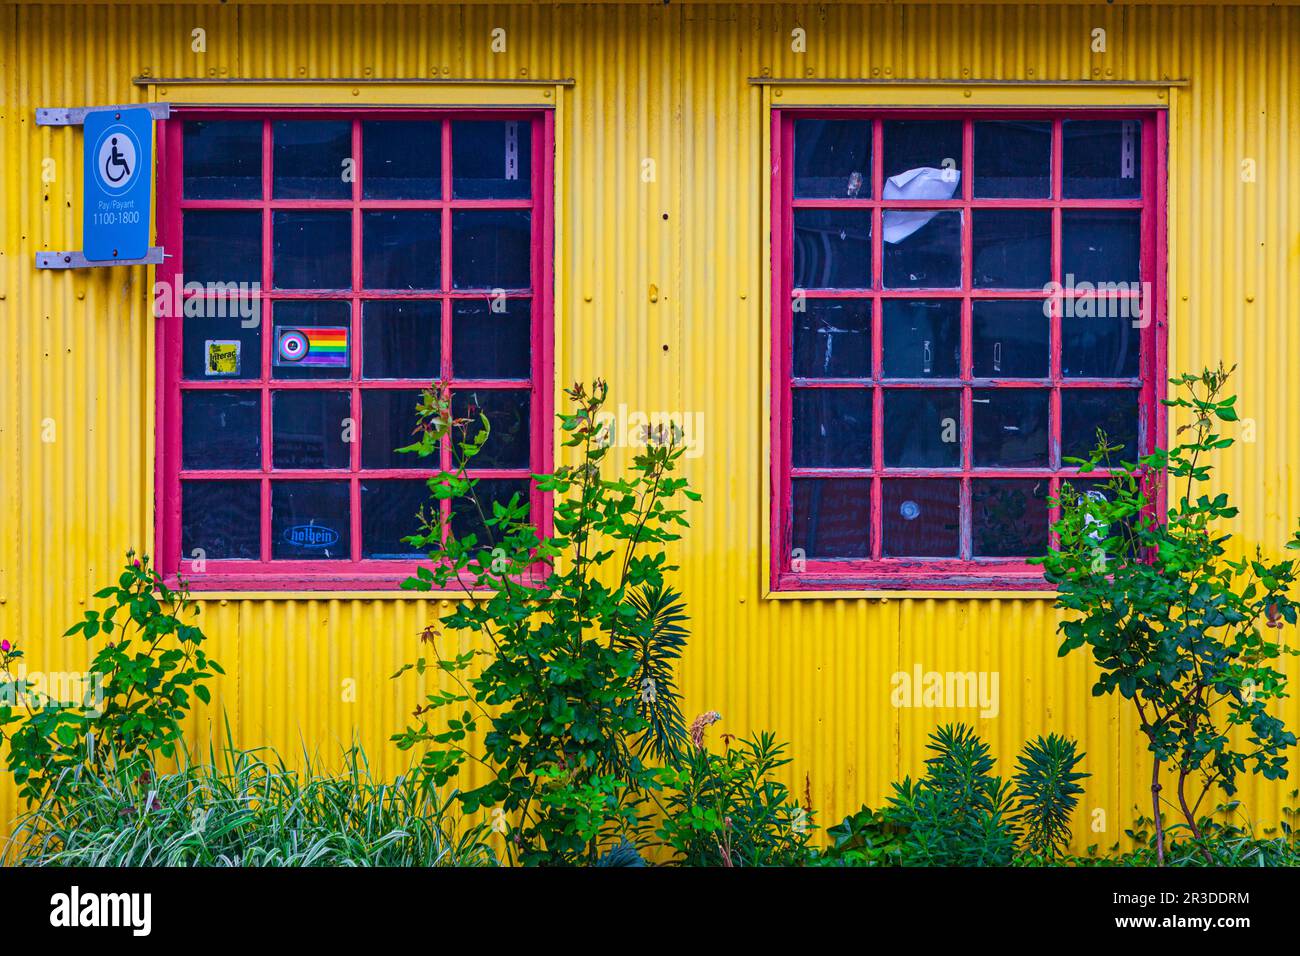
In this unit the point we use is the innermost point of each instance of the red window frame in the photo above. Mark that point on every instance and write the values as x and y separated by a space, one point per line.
885 573
354 573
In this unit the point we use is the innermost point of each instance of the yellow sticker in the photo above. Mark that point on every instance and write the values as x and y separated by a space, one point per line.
223 357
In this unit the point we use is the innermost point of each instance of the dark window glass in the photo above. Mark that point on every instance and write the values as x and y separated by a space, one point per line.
1101 245
922 249
388 514
465 519
401 249
388 422
832 158
222 245
507 413
1011 248
402 339
220 348
1103 159
922 428
221 430
920 518
401 159
1010 427
832 338
490 249
1113 411
1009 338
310 159
832 517
491 338
293 322
310 521
308 428
1013 159
1098 343
1009 518
832 428
313 249
223 160
221 520
832 249
922 338
922 144
491 159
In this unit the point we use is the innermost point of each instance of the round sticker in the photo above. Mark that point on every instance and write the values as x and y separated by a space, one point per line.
293 346
116 154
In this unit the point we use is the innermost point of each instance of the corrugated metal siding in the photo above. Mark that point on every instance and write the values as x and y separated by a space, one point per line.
666 83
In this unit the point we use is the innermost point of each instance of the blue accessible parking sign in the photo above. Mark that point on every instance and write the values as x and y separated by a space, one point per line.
118 183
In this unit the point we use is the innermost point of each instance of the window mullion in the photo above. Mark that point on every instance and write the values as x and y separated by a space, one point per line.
264 510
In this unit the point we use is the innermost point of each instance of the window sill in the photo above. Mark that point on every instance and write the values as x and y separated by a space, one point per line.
993 582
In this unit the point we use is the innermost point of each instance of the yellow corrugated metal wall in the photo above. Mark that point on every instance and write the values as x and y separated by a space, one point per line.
668 83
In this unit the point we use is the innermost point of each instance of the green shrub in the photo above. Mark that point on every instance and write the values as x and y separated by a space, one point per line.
244 808
579 635
1177 628
1046 791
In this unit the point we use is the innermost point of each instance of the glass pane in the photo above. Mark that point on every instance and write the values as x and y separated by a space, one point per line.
490 249
1013 158
1112 411
1011 248
832 517
922 428
831 249
832 338
221 430
401 339
1101 245
313 249
491 159
923 144
222 245
310 521
220 348
1010 427
310 159
1103 159
832 158
921 518
491 338
922 338
221 520
401 160
312 339
922 249
308 429
831 428
401 249
1009 338
388 514
465 518
1009 518
223 160
508 420
1096 342
388 422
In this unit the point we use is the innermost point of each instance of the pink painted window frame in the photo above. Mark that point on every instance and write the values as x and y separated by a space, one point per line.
354 573
883 573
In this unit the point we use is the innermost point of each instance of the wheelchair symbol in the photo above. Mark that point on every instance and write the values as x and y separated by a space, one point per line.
116 160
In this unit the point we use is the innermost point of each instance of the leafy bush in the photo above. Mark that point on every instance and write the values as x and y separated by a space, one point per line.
1046 790
244 808
729 809
137 690
579 629
1178 628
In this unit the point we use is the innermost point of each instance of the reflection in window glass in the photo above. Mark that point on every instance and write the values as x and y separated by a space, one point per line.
491 338
308 428
222 245
1010 338
922 338
1103 159
1099 345
311 159
832 428
401 159
313 249
832 517
920 518
1113 412
401 249
221 430
1009 518
389 510
403 339
1101 245
832 158
388 422
491 159
832 338
310 521
490 249
922 144
1010 427
223 160
507 412
831 249
923 428
1013 159
219 520
922 249
1011 248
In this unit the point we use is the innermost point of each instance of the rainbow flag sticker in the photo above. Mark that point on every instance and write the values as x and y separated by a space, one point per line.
312 346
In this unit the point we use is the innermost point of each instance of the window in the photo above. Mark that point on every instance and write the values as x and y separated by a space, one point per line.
325 267
961 301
